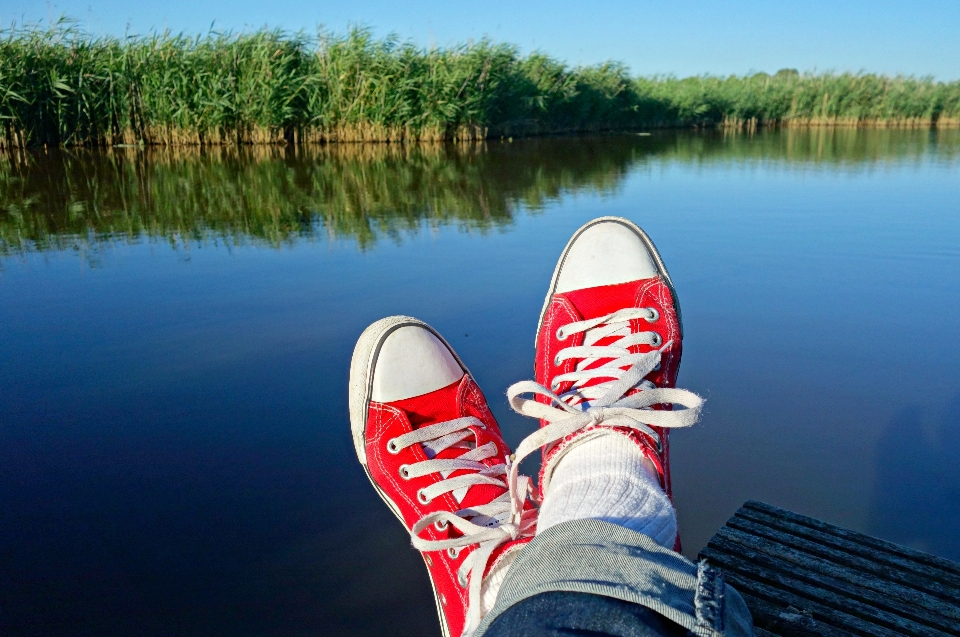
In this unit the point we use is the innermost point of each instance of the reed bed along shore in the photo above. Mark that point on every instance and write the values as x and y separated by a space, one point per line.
62 87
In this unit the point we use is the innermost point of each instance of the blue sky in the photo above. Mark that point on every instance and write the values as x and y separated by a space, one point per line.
680 37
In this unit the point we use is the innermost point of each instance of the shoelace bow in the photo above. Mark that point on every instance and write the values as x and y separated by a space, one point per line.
490 525
607 402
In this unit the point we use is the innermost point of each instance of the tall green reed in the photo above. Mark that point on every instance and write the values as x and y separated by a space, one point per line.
60 86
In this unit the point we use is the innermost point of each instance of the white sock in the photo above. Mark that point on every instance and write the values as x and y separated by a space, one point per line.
607 478
494 579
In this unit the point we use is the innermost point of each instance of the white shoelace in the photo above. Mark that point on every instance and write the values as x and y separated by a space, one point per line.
490 525
605 402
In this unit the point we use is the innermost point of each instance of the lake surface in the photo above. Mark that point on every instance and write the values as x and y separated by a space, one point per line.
176 328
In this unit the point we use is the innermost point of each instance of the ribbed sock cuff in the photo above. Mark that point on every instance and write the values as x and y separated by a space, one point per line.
607 478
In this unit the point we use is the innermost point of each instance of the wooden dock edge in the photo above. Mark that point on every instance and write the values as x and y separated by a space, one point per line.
802 577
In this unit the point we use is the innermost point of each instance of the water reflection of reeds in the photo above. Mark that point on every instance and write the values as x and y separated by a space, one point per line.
275 195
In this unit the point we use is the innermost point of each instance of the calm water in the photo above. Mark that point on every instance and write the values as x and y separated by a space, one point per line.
175 332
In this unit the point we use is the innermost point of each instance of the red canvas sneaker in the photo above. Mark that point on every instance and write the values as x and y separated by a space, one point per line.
434 453
608 351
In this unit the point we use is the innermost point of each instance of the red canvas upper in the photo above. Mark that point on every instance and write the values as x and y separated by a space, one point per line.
589 303
390 420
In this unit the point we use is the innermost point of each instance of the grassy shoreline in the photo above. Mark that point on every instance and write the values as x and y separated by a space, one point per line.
62 87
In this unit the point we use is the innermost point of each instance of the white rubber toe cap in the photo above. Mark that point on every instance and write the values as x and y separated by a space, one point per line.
412 362
606 253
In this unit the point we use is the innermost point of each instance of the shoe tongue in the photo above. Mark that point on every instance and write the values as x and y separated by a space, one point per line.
604 299
431 408
600 301
476 494
439 406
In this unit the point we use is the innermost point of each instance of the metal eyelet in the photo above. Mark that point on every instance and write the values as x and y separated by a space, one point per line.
440 525
421 498
461 580
554 385
560 335
656 367
428 559
404 472
393 447
657 340
453 553
557 361
654 315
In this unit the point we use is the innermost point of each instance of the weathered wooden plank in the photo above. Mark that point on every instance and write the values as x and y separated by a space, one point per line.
822 614
771 619
804 594
802 577
861 539
882 558
806 560
833 580
936 579
845 553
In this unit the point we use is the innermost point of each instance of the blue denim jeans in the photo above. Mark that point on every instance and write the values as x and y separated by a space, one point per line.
565 614
596 578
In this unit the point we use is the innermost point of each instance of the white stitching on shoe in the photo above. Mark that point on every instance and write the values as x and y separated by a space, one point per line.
562 306
378 430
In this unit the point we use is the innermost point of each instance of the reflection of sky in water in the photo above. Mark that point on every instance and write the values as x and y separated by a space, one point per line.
174 447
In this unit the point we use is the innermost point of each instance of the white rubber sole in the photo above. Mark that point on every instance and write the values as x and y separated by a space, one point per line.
362 364
657 260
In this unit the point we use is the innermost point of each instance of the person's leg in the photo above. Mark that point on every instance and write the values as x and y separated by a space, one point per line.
608 352
433 451
566 614
598 558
